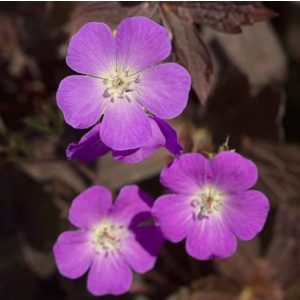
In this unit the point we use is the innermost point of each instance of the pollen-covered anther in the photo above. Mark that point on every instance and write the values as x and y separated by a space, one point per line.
120 84
107 237
206 202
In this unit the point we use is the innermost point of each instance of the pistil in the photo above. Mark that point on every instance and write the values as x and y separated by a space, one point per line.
121 84
107 237
206 202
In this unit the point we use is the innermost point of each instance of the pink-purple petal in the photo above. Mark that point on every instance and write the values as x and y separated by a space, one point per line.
89 207
141 43
141 249
173 213
80 98
246 213
92 50
164 90
132 206
125 126
88 148
187 174
232 172
109 275
155 142
170 136
211 238
73 253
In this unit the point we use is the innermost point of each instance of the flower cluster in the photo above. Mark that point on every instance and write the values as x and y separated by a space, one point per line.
124 97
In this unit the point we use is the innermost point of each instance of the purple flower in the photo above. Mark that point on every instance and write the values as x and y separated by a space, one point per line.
90 145
109 242
122 81
211 204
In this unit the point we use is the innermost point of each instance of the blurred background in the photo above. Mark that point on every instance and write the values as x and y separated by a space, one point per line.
245 63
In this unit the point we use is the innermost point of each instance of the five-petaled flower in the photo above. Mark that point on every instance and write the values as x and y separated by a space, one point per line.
111 239
211 204
91 147
122 82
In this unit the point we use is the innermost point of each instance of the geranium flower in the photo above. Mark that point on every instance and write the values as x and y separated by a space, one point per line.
91 147
211 204
122 81
109 241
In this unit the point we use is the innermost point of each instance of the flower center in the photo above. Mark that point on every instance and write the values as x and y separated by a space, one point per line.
121 84
206 202
107 237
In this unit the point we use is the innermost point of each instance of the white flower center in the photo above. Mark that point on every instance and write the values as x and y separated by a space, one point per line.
107 237
206 202
121 84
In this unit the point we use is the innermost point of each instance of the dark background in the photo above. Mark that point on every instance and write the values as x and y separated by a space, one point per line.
245 64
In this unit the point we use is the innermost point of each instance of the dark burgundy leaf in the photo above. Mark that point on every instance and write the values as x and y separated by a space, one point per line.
191 52
228 17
